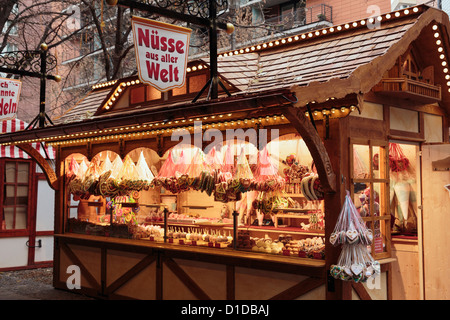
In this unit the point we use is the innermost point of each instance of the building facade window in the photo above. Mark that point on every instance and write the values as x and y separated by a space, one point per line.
15 196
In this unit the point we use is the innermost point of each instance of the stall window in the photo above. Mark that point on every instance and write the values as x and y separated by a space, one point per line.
14 205
404 197
369 174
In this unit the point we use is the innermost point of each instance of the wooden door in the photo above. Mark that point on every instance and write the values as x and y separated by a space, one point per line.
436 221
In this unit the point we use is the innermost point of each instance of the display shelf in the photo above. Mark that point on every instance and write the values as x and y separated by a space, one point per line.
295 195
197 207
273 229
95 204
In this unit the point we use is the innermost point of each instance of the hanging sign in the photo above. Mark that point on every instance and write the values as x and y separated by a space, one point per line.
161 53
9 98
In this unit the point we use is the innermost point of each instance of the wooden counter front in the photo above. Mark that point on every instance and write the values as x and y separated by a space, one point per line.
142 269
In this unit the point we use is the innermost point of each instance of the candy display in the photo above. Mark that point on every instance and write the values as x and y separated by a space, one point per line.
120 178
283 245
355 262
398 162
137 198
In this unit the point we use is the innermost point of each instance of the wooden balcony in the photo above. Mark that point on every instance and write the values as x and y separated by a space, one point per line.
409 89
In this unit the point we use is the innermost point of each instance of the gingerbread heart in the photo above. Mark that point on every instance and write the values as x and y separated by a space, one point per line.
369 236
333 238
369 271
352 236
376 267
357 269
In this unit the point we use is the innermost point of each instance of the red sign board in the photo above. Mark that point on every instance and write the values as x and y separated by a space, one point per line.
9 98
161 53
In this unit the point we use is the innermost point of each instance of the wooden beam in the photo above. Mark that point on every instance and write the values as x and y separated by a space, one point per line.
303 125
187 281
127 276
361 291
49 173
84 271
299 289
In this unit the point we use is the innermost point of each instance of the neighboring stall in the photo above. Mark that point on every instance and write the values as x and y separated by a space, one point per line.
270 209
26 201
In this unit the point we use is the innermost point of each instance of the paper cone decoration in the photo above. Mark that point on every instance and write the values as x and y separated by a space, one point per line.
82 169
402 191
107 165
116 168
128 171
143 171
73 168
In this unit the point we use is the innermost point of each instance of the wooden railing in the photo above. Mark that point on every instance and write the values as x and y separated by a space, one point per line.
409 86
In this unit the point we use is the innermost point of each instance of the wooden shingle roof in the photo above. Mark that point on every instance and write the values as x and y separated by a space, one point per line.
320 64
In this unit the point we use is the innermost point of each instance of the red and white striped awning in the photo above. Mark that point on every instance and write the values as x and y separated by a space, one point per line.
8 126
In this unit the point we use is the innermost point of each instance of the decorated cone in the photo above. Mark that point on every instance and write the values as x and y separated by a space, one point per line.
143 170
402 191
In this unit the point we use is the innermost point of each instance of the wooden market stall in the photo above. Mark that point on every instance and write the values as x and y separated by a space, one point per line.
344 104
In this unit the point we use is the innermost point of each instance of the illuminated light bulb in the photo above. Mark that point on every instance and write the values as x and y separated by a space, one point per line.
296 38
270 44
225 54
343 109
440 49
324 31
380 18
317 33
194 68
128 83
241 51
406 11
397 14
331 29
444 63
339 28
442 56
230 54
289 39
416 9
303 36
438 42
388 16
435 27
447 77
259 47
247 50
137 82
277 42
347 26
436 35
283 41
264 45
310 35
236 52
333 110
371 20
355 24
363 22
252 48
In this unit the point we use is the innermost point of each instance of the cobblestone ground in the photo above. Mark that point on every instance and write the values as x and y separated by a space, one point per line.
34 284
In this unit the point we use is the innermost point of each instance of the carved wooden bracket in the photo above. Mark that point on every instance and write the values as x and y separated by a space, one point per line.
49 173
315 145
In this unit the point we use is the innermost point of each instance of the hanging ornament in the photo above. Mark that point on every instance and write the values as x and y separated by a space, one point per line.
355 262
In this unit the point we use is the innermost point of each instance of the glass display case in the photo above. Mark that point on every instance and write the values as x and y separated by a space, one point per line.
234 197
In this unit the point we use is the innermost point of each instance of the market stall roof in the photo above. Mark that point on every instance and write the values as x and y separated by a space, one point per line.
335 62
10 151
